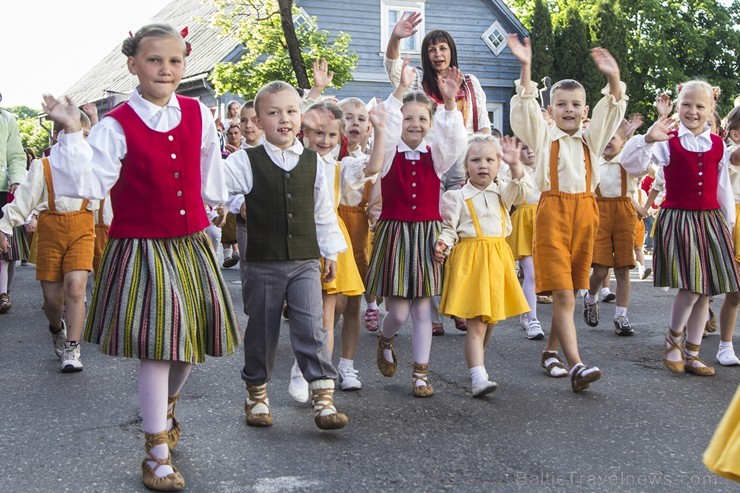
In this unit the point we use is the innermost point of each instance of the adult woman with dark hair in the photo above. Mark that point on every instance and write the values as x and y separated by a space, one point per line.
438 54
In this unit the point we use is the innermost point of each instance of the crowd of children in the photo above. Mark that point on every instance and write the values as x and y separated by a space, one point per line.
326 201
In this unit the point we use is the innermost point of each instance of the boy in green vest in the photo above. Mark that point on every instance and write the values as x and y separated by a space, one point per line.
290 224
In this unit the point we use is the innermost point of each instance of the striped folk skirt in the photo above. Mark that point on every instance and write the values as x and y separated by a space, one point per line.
18 243
693 250
162 299
402 262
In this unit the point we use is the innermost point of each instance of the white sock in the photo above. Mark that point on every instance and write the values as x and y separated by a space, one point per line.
346 363
372 305
478 375
585 373
319 405
556 371
726 354
153 387
227 251
604 291
621 310
591 298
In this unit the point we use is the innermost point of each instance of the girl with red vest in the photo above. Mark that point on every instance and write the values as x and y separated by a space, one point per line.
402 267
693 243
159 294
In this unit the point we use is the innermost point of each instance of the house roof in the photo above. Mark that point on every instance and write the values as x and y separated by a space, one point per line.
504 9
111 76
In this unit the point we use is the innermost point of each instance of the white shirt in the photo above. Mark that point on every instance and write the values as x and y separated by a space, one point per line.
611 177
638 154
529 125
89 169
456 219
533 197
239 180
353 195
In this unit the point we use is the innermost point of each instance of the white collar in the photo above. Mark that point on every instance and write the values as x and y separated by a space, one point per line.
296 148
146 109
705 135
329 158
469 190
403 147
556 133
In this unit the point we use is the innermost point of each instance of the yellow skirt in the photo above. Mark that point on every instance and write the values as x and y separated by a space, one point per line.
348 281
736 233
723 454
480 281
522 231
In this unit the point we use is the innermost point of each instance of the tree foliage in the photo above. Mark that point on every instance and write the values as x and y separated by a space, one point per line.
33 135
657 43
257 25
573 46
543 42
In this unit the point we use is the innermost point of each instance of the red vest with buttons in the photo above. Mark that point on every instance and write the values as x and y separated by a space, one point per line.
410 190
158 193
691 177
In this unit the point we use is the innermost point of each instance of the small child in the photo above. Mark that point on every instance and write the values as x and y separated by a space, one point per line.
402 267
521 242
291 222
567 172
693 244
481 285
615 240
64 259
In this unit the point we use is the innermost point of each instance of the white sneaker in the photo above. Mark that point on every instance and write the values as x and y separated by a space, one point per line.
727 357
298 386
534 330
640 271
484 389
71 358
59 339
348 378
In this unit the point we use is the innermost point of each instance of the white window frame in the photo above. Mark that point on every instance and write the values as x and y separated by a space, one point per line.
302 17
496 115
404 6
486 38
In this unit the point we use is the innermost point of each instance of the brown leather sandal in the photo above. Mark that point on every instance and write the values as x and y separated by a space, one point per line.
546 355
173 481
702 371
257 396
674 366
173 434
421 374
386 369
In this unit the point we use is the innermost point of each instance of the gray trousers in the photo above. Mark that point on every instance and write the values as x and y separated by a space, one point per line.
268 283
241 240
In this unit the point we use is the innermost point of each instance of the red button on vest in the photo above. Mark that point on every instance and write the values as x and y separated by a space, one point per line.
411 189
691 177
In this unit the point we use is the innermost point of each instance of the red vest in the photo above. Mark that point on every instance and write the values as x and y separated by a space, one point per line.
691 177
410 190
158 193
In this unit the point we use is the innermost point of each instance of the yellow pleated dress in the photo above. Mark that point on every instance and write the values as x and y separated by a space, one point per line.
348 281
480 279
723 454
521 238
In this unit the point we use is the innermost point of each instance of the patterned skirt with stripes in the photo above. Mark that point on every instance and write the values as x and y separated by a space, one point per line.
402 262
162 299
18 243
693 250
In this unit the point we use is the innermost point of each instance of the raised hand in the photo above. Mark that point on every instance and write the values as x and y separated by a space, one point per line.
511 149
449 86
605 62
664 105
407 27
636 120
522 51
378 116
91 111
659 132
407 74
322 77
65 113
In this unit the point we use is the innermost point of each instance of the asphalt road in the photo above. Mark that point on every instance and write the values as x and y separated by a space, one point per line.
640 428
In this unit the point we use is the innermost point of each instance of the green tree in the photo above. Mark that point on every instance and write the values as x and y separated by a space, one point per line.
33 135
257 25
573 45
609 31
543 42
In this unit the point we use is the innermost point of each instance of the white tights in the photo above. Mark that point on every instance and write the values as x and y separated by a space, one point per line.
689 310
4 276
159 380
421 315
527 265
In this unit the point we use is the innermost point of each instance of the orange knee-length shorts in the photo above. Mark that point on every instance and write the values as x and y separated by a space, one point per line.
66 242
615 240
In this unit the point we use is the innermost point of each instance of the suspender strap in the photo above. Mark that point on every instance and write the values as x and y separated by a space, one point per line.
49 184
100 212
476 223
623 177
366 194
555 154
336 185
